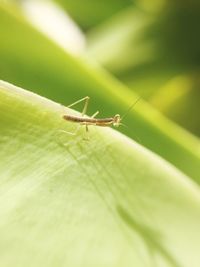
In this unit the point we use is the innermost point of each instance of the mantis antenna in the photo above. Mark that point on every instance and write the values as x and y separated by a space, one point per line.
129 109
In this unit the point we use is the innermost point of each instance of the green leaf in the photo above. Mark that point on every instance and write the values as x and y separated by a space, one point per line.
179 100
104 202
92 12
36 63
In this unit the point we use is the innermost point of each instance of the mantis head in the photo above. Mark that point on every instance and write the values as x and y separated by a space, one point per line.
116 120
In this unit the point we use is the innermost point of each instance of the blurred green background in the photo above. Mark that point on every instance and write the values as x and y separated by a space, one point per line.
151 46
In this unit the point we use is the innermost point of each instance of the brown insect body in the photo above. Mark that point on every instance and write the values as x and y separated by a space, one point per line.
115 121
104 122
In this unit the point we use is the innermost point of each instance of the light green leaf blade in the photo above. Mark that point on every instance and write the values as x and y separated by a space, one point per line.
106 202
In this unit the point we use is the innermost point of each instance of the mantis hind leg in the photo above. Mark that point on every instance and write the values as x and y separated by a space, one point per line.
86 99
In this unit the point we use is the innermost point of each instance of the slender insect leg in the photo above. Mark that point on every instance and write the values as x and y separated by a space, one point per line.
87 128
85 106
95 114
86 99
87 131
71 133
61 139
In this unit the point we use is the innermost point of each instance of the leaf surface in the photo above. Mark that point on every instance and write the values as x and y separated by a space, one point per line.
105 202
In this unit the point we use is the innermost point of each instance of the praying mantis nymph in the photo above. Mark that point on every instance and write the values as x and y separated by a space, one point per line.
112 121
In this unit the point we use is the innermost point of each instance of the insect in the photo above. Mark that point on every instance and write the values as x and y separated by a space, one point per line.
112 121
